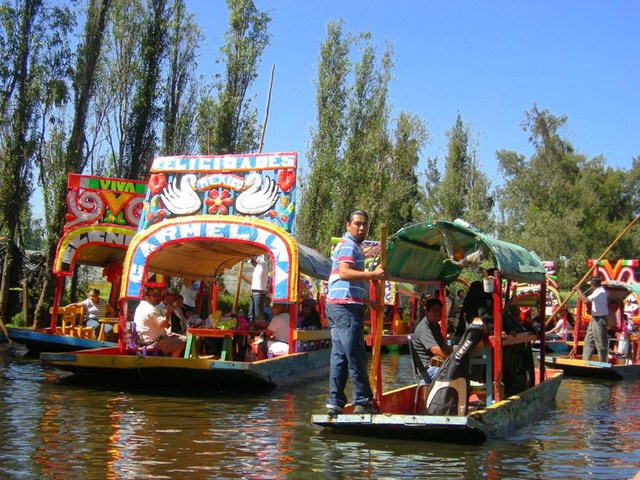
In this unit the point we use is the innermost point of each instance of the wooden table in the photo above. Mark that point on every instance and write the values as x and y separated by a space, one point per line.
191 350
103 322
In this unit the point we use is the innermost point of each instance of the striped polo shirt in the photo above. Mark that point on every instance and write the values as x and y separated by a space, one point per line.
349 251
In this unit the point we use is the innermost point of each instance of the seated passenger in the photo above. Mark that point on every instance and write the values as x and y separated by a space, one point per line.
95 308
152 326
310 318
427 341
178 320
277 332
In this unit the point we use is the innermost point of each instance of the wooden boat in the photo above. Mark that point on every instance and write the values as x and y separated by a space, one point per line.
619 367
101 220
421 254
203 215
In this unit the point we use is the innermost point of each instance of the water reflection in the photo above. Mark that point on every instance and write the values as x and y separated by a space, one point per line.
51 430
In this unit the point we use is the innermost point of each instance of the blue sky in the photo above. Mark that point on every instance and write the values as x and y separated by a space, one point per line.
488 61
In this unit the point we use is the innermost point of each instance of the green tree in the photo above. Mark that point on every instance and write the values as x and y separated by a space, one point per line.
562 205
55 163
33 63
314 217
357 157
120 71
181 93
430 207
403 195
365 173
140 140
463 191
228 123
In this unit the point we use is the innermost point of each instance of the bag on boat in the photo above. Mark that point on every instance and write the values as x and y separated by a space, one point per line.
227 322
449 392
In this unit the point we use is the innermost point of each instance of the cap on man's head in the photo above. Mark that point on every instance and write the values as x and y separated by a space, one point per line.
596 280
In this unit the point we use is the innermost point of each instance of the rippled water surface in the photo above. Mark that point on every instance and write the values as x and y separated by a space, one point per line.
53 429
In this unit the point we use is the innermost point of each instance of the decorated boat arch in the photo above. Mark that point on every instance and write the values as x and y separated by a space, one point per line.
204 214
102 218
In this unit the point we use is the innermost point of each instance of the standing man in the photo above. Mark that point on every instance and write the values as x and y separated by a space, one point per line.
597 330
348 291
258 288
427 341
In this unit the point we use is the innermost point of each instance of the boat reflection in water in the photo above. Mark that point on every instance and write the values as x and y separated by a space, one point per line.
73 432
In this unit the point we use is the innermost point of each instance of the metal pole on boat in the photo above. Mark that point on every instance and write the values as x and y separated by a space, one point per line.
264 129
375 377
595 265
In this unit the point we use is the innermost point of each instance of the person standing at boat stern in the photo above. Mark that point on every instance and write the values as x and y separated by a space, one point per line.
259 281
348 290
597 336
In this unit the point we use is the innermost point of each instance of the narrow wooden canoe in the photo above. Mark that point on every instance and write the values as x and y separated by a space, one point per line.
592 369
398 420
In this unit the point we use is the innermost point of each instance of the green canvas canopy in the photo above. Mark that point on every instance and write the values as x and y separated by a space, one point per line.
423 252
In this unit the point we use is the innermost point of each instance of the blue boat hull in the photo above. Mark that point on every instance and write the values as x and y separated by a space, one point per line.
38 341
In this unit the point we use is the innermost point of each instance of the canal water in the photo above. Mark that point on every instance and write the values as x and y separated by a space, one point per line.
53 428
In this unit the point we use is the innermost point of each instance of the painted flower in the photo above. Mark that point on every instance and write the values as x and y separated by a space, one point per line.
219 201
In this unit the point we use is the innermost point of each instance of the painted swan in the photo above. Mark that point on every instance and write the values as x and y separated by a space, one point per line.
183 200
259 197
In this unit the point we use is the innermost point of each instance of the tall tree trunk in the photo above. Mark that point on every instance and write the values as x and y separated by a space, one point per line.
84 81
17 165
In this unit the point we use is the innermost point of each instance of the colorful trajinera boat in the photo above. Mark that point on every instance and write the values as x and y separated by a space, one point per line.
101 220
434 254
624 350
202 215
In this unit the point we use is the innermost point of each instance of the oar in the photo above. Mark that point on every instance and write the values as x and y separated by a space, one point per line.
375 377
595 264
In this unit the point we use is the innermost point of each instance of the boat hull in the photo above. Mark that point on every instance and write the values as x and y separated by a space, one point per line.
197 374
591 369
475 428
41 340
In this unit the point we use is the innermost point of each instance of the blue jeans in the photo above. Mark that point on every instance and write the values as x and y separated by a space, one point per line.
256 307
108 328
348 355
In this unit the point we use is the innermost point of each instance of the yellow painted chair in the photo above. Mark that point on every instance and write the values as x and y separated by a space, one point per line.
72 320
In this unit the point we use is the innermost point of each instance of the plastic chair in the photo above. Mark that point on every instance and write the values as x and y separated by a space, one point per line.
417 377
72 319
137 346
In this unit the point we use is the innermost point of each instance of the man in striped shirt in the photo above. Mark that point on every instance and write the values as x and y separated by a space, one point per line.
348 292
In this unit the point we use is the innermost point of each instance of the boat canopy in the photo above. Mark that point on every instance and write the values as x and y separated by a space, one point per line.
432 251
313 263
619 290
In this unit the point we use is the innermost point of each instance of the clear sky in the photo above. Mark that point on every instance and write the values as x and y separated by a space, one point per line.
490 61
